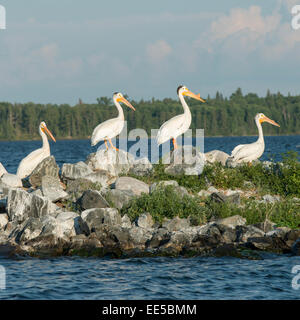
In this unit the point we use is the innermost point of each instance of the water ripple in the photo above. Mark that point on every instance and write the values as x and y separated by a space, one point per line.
150 278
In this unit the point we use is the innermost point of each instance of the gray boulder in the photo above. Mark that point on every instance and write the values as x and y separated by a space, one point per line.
96 218
185 160
3 203
270 199
141 167
212 189
52 189
181 191
145 221
48 167
92 199
296 248
140 236
65 226
119 198
22 205
216 156
244 233
204 193
176 224
160 237
232 221
37 192
101 177
32 229
11 181
3 220
76 188
131 184
79 225
292 236
115 162
75 171
265 226
126 223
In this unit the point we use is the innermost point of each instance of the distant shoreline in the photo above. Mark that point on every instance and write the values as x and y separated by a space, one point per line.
87 138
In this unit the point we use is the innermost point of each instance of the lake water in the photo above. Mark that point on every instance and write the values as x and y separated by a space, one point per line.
150 278
147 278
71 151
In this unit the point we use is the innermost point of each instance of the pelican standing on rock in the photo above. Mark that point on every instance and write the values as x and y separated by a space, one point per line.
28 164
178 125
112 127
2 170
252 151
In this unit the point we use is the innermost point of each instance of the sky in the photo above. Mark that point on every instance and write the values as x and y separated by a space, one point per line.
55 51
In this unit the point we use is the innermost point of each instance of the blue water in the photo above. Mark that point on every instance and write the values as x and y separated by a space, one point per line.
147 278
150 278
71 151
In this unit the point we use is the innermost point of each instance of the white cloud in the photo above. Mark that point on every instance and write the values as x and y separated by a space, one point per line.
48 52
246 32
158 51
250 20
290 3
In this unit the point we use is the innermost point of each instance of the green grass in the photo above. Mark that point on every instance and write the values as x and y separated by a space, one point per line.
167 203
284 213
279 179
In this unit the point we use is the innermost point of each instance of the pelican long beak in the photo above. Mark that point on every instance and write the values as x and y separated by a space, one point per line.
128 104
49 133
266 119
194 96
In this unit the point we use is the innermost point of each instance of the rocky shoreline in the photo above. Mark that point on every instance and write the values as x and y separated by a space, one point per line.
76 211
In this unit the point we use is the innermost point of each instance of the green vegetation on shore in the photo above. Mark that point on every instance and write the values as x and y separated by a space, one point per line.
279 179
218 116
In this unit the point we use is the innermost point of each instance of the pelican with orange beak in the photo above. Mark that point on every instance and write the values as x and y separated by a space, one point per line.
28 164
178 125
112 127
252 151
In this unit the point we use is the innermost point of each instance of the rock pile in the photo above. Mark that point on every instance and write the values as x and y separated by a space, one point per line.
77 212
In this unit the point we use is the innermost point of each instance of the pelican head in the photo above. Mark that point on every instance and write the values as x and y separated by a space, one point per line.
260 117
44 129
120 98
184 91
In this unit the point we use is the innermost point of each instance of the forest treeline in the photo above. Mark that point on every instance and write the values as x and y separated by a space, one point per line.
219 116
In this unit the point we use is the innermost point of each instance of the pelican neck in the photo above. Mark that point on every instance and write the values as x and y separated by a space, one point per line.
120 110
184 105
45 140
260 131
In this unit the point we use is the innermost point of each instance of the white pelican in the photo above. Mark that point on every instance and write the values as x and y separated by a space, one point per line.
112 127
28 164
2 170
252 151
178 125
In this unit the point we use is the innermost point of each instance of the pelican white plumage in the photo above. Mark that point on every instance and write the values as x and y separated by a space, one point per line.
252 151
112 127
178 125
28 164
2 170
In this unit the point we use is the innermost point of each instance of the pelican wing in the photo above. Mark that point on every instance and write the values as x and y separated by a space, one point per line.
2 170
29 163
249 152
171 129
236 149
107 130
